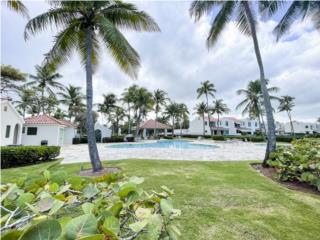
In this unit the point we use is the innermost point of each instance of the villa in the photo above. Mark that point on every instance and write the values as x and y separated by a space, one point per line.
225 126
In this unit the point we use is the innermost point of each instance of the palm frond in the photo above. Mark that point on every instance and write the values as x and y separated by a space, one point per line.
200 8
270 7
18 7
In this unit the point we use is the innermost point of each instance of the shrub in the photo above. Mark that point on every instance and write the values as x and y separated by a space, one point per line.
76 140
299 161
113 139
256 139
218 138
108 207
24 155
167 137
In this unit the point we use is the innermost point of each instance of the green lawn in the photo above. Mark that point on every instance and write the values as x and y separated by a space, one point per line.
220 200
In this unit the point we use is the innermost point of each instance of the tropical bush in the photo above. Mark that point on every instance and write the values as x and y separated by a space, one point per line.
113 139
24 155
299 161
218 138
167 137
58 206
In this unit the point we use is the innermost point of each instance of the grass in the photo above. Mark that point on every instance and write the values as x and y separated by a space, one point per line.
219 200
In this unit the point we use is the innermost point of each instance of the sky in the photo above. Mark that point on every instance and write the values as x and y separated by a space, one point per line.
177 59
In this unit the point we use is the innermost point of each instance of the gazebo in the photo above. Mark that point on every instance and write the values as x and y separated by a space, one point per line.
148 127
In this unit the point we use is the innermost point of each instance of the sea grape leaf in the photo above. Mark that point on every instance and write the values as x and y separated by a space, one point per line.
57 204
45 230
173 232
45 204
90 191
166 207
112 223
24 198
143 213
126 188
12 234
154 227
54 187
9 190
138 226
116 208
76 182
84 225
94 237
59 177
87 207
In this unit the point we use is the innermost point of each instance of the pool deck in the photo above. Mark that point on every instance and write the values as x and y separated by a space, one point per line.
226 151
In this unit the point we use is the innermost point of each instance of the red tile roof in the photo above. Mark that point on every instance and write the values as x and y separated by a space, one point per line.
151 124
47 120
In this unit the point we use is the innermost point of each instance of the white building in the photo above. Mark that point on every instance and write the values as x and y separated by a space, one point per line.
302 127
11 124
101 131
43 128
226 126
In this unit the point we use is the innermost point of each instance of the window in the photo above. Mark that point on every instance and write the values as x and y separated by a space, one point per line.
307 126
227 123
255 124
5 108
213 124
23 130
8 131
32 131
249 124
205 123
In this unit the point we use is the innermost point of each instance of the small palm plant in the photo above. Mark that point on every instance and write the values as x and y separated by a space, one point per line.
286 105
219 107
83 24
201 109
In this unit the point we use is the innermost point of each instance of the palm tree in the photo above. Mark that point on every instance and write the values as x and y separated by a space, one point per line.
128 98
26 98
246 22
172 111
183 114
219 107
201 109
10 76
207 89
45 80
118 115
286 105
142 104
297 10
51 102
108 105
83 24
73 98
60 114
18 6
252 104
159 99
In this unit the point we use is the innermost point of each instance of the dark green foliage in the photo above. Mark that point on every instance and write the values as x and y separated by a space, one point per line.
218 138
25 155
299 161
167 137
113 139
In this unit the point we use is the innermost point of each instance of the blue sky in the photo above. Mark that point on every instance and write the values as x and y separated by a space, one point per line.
177 60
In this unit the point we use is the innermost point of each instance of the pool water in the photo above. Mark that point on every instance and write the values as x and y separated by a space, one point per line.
171 144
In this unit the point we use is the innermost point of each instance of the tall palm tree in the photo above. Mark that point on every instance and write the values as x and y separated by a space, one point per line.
10 78
118 115
128 98
18 6
26 98
243 13
159 99
297 10
252 104
183 114
60 114
73 98
207 89
45 81
83 23
286 105
172 111
51 102
219 107
142 104
201 109
108 105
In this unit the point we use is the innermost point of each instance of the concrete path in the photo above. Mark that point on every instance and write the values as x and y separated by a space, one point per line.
225 151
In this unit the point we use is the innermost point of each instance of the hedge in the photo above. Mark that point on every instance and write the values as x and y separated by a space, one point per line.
113 139
16 156
218 138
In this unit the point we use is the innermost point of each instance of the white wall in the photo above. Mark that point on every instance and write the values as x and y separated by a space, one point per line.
10 117
105 132
69 134
45 132
302 127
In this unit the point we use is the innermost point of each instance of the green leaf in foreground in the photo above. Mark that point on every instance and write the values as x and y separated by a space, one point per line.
90 191
25 198
126 188
81 226
45 230
111 223
166 206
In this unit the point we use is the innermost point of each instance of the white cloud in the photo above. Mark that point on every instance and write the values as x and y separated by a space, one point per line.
177 60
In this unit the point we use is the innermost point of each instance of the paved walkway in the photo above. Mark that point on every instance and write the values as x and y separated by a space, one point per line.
226 151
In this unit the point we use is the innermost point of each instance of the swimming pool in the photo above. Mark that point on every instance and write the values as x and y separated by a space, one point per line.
171 144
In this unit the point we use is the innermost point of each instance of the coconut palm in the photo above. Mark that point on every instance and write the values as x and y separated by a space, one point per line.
73 98
183 114
286 105
219 107
297 10
26 98
118 115
206 89
45 81
252 104
128 99
10 78
159 99
201 109
243 13
51 102
108 105
83 24
172 110
18 6
60 114
142 104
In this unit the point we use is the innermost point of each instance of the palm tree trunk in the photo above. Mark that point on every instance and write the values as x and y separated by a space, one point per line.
211 132
218 123
93 150
129 120
204 127
155 127
42 100
172 126
267 103
291 124
137 127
